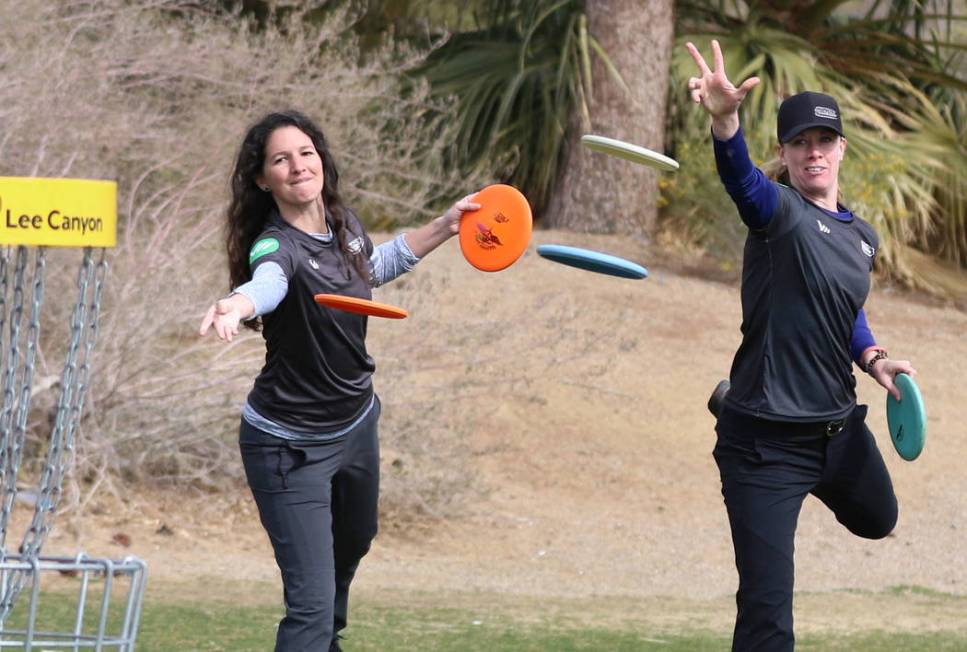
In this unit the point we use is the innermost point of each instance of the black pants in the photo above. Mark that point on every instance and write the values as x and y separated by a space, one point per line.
318 504
767 469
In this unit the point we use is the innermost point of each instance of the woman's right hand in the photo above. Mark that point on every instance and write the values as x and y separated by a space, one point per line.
718 96
225 315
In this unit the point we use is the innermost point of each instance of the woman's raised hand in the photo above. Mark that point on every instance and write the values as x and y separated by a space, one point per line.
718 96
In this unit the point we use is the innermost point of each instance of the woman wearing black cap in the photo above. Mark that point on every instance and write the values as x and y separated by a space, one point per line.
789 425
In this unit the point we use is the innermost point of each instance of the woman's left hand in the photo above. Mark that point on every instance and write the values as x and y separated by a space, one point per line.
885 370
451 219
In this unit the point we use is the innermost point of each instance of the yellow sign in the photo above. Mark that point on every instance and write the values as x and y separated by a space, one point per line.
58 212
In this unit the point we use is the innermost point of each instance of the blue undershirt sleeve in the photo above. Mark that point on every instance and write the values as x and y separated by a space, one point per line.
862 337
266 289
754 195
391 259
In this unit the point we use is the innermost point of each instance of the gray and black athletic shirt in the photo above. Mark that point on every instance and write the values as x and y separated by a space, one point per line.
805 277
317 375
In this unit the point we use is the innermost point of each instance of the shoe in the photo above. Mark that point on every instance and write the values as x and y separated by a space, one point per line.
717 398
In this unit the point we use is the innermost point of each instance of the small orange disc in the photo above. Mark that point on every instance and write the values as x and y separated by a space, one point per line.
360 306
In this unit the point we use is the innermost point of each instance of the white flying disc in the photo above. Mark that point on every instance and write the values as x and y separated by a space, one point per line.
629 152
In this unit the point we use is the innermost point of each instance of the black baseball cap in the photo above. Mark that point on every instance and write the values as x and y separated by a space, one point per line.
805 110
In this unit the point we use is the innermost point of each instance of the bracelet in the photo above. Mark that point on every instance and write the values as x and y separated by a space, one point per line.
880 355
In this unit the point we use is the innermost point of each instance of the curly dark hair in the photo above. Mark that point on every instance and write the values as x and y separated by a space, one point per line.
250 206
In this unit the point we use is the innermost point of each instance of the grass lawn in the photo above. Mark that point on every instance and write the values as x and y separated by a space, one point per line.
183 621
169 627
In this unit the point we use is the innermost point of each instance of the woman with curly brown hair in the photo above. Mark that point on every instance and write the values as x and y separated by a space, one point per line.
308 433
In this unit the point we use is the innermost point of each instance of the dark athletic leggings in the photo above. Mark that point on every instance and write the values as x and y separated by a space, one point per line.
767 469
318 504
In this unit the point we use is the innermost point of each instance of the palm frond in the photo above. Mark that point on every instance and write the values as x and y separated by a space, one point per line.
517 80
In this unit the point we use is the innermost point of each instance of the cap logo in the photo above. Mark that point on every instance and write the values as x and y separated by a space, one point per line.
825 112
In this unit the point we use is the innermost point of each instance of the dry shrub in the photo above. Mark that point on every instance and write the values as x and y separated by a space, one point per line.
158 95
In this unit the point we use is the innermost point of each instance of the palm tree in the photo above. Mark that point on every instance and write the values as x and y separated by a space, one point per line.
516 76
534 75
602 194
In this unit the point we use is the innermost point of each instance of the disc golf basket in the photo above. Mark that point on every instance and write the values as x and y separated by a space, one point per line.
51 603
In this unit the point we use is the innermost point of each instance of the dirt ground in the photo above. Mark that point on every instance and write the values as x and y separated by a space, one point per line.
580 401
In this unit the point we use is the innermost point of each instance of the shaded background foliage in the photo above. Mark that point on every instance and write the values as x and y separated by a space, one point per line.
897 69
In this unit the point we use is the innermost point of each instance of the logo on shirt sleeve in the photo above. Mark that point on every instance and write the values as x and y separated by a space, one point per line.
261 248
355 246
867 248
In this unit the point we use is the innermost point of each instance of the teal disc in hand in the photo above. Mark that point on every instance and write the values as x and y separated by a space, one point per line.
906 418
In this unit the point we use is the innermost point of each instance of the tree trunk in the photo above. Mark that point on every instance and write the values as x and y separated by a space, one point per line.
599 193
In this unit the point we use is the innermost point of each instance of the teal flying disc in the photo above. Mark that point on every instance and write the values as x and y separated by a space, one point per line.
906 418
593 261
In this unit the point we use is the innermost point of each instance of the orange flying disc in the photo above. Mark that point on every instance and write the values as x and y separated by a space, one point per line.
360 306
496 234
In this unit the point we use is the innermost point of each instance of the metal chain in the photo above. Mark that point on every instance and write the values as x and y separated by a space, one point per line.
7 396
4 267
15 581
69 408
10 446
13 416
74 383
9 353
